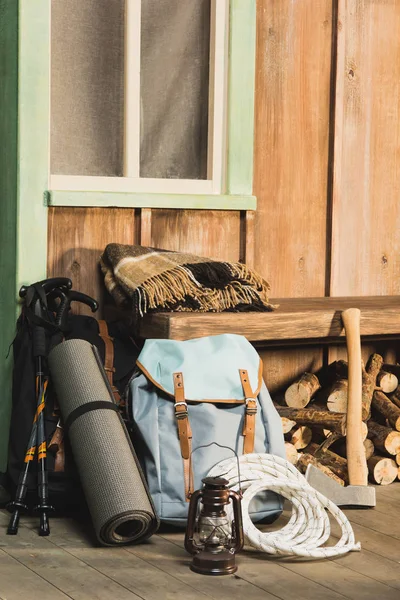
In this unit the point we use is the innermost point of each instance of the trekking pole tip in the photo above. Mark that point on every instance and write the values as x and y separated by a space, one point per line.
44 528
12 528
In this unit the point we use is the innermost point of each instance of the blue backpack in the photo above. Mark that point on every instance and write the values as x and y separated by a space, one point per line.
185 395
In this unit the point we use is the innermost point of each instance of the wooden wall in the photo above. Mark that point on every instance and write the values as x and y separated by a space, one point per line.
326 169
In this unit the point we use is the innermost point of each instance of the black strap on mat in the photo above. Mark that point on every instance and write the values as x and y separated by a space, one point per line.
88 407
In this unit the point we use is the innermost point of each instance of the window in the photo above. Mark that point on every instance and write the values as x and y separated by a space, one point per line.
138 95
151 101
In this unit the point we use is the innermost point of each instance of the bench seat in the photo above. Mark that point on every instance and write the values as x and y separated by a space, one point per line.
296 321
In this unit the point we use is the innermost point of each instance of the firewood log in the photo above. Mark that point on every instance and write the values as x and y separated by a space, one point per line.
340 448
369 448
315 417
395 397
389 368
364 431
369 376
384 439
378 417
301 437
307 459
342 369
385 407
327 433
330 439
327 374
287 424
388 382
398 458
319 435
330 459
336 400
299 394
382 470
291 453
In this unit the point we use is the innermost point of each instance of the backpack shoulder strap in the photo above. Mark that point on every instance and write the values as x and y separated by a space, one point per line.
184 432
108 357
249 424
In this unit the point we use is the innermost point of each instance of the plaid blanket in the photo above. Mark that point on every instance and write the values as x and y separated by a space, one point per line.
148 279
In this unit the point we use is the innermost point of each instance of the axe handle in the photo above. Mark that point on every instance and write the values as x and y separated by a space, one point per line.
356 461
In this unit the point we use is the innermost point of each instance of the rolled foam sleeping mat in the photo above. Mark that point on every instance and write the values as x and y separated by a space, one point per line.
115 489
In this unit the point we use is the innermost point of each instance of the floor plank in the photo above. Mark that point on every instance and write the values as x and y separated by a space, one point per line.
388 497
343 580
121 566
173 559
70 559
273 578
16 580
392 491
385 523
59 568
374 566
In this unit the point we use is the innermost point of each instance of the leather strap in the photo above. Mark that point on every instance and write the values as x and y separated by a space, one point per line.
182 416
109 358
188 476
56 447
249 426
184 432
59 463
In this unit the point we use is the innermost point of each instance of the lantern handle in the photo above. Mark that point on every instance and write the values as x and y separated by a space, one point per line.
228 448
190 544
237 515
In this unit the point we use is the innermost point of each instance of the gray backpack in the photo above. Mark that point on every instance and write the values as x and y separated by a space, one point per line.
186 395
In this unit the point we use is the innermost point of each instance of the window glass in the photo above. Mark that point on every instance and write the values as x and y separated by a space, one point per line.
87 55
175 51
87 88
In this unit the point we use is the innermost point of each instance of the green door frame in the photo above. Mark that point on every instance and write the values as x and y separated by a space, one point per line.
24 131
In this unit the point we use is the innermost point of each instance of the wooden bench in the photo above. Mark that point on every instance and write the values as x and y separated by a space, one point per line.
296 321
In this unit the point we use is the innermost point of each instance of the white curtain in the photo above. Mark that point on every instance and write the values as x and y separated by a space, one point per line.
87 75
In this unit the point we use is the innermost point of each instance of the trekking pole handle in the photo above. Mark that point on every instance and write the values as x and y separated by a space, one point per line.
63 305
84 299
48 285
66 297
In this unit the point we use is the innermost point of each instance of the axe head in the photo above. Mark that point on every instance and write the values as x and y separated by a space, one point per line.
351 495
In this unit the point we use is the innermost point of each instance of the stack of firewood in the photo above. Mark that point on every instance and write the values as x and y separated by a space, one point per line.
313 413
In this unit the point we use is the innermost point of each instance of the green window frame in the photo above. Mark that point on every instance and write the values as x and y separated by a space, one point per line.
240 134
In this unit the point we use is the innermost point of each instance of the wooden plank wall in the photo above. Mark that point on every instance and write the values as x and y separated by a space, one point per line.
326 169
76 239
291 158
366 213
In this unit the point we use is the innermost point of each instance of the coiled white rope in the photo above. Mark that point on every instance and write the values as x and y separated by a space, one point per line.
308 528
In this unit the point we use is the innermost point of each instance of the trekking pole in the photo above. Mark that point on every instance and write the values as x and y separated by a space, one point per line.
39 353
43 505
35 292
18 504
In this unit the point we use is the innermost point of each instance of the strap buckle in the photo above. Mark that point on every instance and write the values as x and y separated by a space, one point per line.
181 414
251 410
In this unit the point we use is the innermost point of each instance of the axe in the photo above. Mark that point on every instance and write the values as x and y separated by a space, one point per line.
357 493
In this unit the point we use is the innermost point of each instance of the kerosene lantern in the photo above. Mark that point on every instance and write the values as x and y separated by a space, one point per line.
213 538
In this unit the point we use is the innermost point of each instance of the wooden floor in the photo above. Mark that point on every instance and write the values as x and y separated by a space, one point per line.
68 565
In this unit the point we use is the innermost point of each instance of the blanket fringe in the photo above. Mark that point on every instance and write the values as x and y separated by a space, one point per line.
170 290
